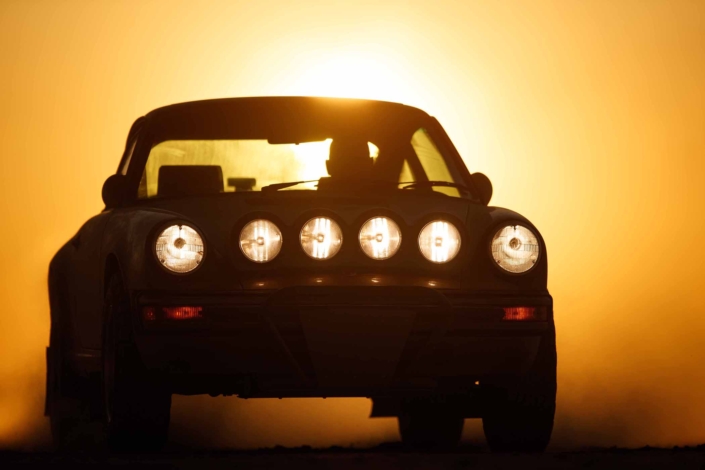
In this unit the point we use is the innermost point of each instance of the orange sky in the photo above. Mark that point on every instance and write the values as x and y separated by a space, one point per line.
589 117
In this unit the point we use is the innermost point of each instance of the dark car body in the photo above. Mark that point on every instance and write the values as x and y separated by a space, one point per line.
349 326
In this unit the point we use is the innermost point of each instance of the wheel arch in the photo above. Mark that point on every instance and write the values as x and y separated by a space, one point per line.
57 286
112 268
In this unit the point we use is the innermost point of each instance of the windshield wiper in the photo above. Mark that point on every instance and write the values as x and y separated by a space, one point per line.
278 186
409 185
428 184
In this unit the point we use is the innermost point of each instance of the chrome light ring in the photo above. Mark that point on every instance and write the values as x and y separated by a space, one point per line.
179 247
260 240
439 241
321 237
380 237
515 248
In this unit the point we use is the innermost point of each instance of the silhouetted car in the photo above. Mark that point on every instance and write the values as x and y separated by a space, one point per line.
301 247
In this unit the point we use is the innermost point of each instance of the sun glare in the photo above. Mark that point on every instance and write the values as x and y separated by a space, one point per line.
361 74
311 156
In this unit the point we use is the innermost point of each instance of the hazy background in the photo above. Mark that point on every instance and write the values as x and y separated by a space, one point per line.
589 117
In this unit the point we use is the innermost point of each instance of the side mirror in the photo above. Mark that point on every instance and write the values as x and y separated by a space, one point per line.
114 190
484 186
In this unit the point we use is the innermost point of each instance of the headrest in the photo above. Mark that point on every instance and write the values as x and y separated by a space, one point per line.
189 180
349 157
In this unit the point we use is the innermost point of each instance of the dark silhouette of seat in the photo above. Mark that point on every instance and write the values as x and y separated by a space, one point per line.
191 180
349 165
349 158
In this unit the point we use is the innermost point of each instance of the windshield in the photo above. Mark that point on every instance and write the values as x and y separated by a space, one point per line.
293 144
199 167
245 165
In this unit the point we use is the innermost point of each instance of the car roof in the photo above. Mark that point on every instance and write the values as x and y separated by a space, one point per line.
303 103
284 118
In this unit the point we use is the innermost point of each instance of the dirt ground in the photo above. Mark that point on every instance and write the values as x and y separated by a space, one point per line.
387 457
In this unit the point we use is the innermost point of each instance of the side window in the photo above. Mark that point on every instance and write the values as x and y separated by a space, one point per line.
132 138
128 156
406 176
433 163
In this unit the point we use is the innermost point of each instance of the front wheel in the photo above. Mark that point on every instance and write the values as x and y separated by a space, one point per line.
137 407
520 422
430 425
71 404
73 401
519 418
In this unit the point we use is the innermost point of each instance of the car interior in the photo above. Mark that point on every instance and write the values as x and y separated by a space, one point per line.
191 180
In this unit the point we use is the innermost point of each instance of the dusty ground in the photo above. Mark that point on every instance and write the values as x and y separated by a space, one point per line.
387 457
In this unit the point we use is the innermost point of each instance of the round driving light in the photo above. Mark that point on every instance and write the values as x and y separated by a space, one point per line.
380 238
515 249
321 238
260 240
439 241
179 248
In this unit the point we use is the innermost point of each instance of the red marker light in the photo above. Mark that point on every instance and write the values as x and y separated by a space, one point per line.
524 314
182 313
153 314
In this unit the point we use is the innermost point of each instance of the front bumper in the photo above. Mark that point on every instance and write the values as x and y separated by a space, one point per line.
340 341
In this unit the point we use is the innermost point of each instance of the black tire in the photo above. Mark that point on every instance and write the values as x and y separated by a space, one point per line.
137 406
428 426
72 400
70 406
519 418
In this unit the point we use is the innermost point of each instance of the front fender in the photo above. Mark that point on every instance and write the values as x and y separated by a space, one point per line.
58 287
130 239
485 275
